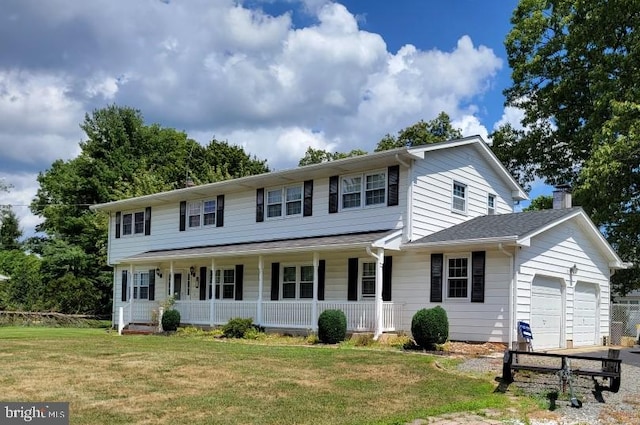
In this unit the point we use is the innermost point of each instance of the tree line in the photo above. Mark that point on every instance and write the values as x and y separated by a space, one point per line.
574 67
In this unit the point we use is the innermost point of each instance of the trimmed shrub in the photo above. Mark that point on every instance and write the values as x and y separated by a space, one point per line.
332 326
430 327
170 320
237 327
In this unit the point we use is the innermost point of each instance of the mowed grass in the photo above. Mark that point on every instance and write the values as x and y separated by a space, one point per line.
110 379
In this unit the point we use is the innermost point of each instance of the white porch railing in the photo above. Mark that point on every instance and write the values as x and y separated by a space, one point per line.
124 313
361 316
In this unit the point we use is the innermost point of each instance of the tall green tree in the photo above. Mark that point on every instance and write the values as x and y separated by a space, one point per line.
574 75
421 133
10 232
318 156
121 157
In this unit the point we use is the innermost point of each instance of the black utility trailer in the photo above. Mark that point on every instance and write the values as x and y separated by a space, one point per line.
610 367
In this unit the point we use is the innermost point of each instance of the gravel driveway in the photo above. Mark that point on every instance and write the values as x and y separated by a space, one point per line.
599 408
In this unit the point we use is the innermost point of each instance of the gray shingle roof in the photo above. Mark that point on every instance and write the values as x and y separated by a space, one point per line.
497 226
329 242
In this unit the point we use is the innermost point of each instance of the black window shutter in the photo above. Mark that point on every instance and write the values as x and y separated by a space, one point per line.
183 216
203 283
275 281
308 198
239 281
333 194
118 224
212 283
386 278
477 276
220 211
321 275
436 278
124 294
260 205
352 280
393 180
147 221
152 285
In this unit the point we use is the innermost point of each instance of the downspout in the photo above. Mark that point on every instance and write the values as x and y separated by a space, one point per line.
512 308
378 304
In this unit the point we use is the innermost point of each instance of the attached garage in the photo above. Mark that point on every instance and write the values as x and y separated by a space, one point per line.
546 312
585 313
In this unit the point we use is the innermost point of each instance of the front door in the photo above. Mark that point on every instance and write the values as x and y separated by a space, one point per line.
177 285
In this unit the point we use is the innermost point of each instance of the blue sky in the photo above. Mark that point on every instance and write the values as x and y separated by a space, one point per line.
273 76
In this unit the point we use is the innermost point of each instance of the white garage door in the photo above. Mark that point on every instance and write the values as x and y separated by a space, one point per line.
585 311
546 312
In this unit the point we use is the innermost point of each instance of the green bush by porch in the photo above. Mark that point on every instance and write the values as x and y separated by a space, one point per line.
430 326
170 320
332 326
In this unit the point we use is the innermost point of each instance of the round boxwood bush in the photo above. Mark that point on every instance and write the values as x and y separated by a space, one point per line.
332 326
430 327
170 320
237 327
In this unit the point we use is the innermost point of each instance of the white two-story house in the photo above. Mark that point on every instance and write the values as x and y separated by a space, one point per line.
379 237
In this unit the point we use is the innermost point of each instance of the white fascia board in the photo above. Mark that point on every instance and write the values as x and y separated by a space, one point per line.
512 240
390 241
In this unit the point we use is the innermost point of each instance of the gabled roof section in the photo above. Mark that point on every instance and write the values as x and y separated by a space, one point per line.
517 229
478 142
307 244
274 178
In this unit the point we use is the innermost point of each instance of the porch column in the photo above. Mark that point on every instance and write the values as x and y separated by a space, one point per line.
314 306
379 274
212 308
260 287
130 289
171 282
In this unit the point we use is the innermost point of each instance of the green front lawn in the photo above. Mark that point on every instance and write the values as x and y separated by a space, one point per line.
110 379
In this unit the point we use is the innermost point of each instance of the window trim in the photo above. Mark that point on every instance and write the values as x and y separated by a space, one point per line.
363 189
137 285
446 277
284 201
298 281
132 223
491 204
219 273
201 213
361 263
464 198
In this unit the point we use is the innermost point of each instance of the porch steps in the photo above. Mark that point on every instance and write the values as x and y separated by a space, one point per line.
139 329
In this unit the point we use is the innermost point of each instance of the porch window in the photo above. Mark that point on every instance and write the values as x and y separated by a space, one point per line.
459 197
225 280
141 286
368 279
193 213
458 277
297 280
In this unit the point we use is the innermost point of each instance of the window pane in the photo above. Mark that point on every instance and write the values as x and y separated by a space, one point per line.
127 224
458 274
351 200
294 208
306 289
375 181
274 210
229 276
459 194
289 290
374 197
209 215
294 193
218 276
139 222
368 279
306 274
274 196
194 214
351 184
228 291
289 274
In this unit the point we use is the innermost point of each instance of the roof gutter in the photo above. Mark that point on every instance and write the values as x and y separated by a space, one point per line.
511 240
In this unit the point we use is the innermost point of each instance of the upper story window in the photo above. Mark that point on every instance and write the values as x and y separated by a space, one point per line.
201 213
457 277
133 223
297 282
491 204
372 188
459 197
285 201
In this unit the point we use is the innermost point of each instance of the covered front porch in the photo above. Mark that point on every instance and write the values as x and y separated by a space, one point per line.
361 316
283 284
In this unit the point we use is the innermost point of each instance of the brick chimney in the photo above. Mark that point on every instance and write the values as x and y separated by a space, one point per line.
562 197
